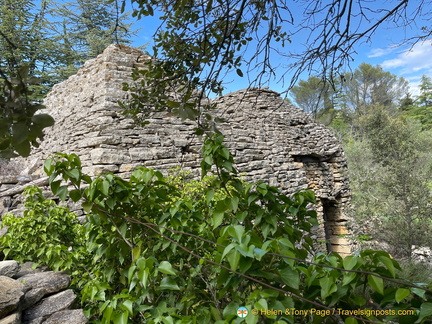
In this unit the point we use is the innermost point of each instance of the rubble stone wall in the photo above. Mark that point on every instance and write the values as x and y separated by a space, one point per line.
271 140
33 296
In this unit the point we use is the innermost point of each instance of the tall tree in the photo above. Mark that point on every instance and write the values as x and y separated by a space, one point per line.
314 95
391 174
84 28
25 41
425 97
26 53
370 86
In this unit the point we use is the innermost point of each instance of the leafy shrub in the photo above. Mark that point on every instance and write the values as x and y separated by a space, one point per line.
47 234
177 250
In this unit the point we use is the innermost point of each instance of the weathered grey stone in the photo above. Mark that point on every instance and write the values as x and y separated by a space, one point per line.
38 320
50 305
42 284
27 268
109 156
75 316
14 318
9 268
10 295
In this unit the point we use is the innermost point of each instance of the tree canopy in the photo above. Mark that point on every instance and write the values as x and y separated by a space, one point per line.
42 44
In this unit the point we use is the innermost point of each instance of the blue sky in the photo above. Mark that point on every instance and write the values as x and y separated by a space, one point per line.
410 62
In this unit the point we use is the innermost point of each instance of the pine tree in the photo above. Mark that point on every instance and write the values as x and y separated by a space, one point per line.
425 97
25 42
84 28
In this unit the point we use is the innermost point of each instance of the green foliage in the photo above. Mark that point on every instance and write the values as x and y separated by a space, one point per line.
315 95
47 233
82 29
178 250
421 108
391 171
38 50
356 94
425 97
20 126
369 86
25 42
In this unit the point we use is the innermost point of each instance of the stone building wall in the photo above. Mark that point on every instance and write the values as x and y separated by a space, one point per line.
270 139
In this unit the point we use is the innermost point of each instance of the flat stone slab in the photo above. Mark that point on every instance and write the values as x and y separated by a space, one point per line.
70 316
14 318
41 284
10 295
50 305
9 268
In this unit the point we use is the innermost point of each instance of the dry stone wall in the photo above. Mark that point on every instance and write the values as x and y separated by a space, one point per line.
270 139
33 296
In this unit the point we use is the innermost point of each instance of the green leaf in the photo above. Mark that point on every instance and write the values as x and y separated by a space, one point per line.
233 259
55 185
103 186
143 276
389 264
217 218
349 262
350 320
62 192
376 283
215 313
166 267
136 252
127 305
401 294
23 148
74 174
227 249
19 133
121 318
327 287
348 277
290 277
236 232
173 104
168 283
4 144
75 195
239 72
87 206
230 310
425 311
419 292
259 253
44 120
234 201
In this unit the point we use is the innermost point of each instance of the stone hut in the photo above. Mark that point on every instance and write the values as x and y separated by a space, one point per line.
270 139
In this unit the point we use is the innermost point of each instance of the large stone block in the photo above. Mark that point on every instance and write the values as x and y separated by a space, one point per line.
109 156
9 268
11 292
50 305
75 316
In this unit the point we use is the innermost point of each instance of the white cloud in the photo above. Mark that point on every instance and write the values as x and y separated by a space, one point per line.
417 58
378 52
